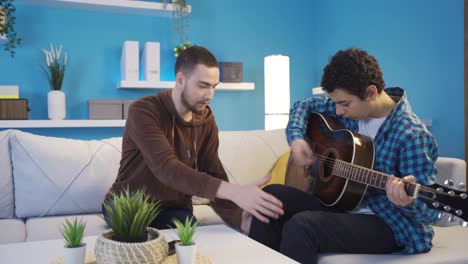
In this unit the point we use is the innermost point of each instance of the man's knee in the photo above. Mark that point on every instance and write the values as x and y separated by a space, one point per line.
305 225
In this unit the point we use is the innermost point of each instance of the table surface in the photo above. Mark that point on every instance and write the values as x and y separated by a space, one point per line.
219 242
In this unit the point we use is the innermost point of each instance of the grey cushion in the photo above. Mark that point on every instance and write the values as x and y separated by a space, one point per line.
58 176
7 208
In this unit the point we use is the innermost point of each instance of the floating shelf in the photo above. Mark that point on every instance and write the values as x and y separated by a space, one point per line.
169 85
124 6
60 123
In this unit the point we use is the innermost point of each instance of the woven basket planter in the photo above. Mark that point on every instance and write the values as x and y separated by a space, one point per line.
154 250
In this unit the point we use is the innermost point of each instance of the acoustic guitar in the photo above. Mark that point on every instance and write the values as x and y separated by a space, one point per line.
343 171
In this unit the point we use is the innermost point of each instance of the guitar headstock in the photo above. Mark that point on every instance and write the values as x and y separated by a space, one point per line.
447 200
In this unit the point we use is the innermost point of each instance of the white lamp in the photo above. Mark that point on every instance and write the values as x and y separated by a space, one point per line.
276 91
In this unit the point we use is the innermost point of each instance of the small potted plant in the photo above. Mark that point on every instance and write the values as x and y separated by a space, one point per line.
186 249
130 239
54 70
75 249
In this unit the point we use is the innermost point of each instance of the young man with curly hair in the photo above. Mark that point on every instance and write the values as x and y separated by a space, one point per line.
385 221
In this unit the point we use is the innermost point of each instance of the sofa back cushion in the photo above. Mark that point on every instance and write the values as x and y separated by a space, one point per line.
7 208
55 176
250 155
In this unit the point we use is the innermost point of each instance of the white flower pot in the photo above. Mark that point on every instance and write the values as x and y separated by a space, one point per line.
56 105
186 254
75 255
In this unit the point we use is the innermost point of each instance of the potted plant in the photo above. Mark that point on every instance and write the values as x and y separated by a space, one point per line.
7 29
130 239
180 21
54 70
75 249
186 249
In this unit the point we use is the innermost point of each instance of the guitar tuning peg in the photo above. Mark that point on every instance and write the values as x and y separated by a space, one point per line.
441 215
436 205
451 193
448 182
463 195
459 212
461 186
447 208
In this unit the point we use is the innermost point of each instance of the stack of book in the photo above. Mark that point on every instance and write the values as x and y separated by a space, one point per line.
11 106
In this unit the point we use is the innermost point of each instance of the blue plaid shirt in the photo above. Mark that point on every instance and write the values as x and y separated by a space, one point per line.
403 147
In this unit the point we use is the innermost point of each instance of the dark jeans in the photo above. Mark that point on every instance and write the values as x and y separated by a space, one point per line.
308 228
164 219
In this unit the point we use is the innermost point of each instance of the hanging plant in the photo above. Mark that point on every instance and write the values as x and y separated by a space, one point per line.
181 25
7 23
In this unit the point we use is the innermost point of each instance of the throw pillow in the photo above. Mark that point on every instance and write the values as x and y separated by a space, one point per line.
7 208
57 176
278 173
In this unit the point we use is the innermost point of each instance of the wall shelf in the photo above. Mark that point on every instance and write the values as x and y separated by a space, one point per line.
60 123
169 85
124 6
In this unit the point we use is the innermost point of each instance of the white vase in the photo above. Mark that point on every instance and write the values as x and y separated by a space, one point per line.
186 254
75 255
56 105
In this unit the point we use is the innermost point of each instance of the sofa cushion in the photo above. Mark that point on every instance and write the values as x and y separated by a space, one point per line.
49 227
250 155
58 176
7 208
12 231
449 246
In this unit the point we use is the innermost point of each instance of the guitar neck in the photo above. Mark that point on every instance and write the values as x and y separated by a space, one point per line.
367 176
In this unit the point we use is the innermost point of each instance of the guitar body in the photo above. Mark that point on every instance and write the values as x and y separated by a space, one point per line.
330 141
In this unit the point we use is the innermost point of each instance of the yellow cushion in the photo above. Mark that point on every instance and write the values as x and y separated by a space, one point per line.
278 173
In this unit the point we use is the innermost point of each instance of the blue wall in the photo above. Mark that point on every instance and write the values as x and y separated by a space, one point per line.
419 44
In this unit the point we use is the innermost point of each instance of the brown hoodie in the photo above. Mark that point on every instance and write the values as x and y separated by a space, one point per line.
171 158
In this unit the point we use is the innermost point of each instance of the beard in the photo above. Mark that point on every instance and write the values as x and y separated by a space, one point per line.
191 107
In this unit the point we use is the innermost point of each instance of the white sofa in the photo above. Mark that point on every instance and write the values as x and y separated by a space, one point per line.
44 180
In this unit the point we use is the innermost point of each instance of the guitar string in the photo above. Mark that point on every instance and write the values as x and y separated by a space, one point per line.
331 162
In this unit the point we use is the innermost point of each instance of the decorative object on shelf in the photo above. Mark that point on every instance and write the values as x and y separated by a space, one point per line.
7 29
14 109
130 61
186 249
277 98
130 239
230 72
9 92
181 25
55 72
105 109
151 61
75 249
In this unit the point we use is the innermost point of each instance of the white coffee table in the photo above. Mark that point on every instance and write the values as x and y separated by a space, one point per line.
220 243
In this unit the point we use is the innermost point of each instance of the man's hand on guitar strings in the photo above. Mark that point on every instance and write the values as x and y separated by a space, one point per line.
396 190
302 153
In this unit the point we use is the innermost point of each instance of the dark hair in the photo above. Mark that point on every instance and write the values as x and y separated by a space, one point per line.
352 70
193 55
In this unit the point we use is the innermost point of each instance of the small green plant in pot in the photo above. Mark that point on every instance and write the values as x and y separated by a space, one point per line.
186 249
73 232
130 239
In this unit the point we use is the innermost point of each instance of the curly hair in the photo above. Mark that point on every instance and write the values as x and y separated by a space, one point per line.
352 70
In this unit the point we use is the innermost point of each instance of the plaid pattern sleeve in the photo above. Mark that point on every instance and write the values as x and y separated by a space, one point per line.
299 115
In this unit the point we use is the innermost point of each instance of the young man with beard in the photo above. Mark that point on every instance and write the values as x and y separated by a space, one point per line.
385 221
170 148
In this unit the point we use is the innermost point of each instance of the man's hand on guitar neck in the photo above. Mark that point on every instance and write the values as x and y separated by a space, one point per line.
302 153
396 190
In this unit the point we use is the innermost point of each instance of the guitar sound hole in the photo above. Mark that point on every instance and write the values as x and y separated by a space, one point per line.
327 165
